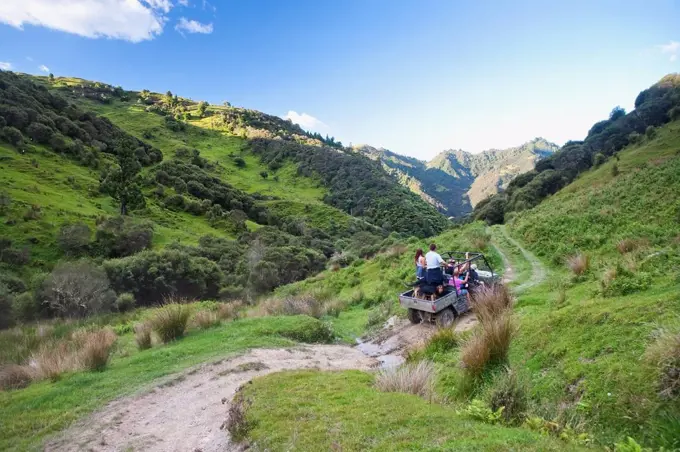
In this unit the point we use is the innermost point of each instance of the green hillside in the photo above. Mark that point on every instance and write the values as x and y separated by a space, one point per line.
75 154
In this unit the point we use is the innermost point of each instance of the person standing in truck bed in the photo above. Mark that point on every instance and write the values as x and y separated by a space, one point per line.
434 262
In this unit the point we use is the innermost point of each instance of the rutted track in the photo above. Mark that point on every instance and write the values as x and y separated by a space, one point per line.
538 270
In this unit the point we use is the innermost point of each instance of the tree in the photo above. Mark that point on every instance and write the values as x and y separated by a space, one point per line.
51 77
617 112
40 133
168 98
264 174
74 238
202 107
13 135
121 182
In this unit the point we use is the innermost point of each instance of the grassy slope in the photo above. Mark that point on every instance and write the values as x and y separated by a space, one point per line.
585 358
27 416
308 410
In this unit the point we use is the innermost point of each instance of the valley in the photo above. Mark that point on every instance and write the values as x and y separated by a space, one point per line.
180 273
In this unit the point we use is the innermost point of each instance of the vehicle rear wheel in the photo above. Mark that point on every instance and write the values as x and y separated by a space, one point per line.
445 318
414 316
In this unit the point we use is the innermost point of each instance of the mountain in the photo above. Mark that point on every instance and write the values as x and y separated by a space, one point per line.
454 181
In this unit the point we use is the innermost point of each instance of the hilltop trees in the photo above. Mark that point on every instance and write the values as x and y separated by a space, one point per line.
202 107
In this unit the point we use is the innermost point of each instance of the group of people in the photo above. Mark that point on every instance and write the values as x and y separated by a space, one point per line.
436 271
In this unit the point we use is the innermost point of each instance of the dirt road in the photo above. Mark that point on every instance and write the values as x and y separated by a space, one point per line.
538 271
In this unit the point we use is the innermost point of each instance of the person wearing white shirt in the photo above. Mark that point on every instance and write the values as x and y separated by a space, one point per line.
434 263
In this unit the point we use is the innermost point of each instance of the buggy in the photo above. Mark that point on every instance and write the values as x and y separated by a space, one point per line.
423 302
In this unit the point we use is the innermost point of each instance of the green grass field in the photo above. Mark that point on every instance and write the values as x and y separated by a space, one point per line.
29 415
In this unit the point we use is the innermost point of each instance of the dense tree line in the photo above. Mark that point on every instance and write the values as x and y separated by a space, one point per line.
31 114
357 185
654 107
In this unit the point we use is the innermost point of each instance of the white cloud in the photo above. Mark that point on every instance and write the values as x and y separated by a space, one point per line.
191 26
183 2
162 5
130 20
672 49
44 68
306 121
5 66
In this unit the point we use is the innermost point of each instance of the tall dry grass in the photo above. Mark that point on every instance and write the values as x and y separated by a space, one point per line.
489 302
95 349
417 378
578 263
311 304
664 354
143 335
629 245
230 310
170 321
205 319
14 376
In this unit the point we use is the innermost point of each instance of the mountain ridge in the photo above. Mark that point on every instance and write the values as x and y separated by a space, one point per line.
454 180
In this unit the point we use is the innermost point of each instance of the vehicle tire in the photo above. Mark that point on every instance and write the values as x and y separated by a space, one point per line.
445 318
414 316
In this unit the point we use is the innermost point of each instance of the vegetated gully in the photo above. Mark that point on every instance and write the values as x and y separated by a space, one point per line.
186 412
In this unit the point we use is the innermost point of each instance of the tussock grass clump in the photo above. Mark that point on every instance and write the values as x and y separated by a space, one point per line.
314 304
205 319
490 302
96 348
170 321
14 376
230 310
629 245
53 359
578 263
416 378
511 394
444 340
664 354
488 346
143 335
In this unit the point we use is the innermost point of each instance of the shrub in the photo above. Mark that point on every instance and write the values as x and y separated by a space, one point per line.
96 349
13 136
619 281
599 159
308 330
123 236
416 378
143 335
6 302
77 289
650 132
237 423
33 213
74 238
170 321
153 275
511 395
578 263
40 133
615 170
13 256
13 284
26 307
204 319
125 302
490 302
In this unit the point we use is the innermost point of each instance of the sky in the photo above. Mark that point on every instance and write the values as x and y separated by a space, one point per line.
416 77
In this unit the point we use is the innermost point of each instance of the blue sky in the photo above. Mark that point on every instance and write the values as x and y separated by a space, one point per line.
416 77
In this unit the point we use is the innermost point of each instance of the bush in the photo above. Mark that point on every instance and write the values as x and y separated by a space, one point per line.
620 281
153 275
480 411
417 378
74 238
17 257
40 133
123 236
6 312
13 136
125 302
578 263
77 289
96 349
599 159
170 321
143 335
26 308
13 376
511 395
489 302
307 329
204 319
13 284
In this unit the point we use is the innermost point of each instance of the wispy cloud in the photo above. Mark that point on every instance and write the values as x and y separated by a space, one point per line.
5 66
307 121
192 26
672 49
130 20
183 2
43 68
